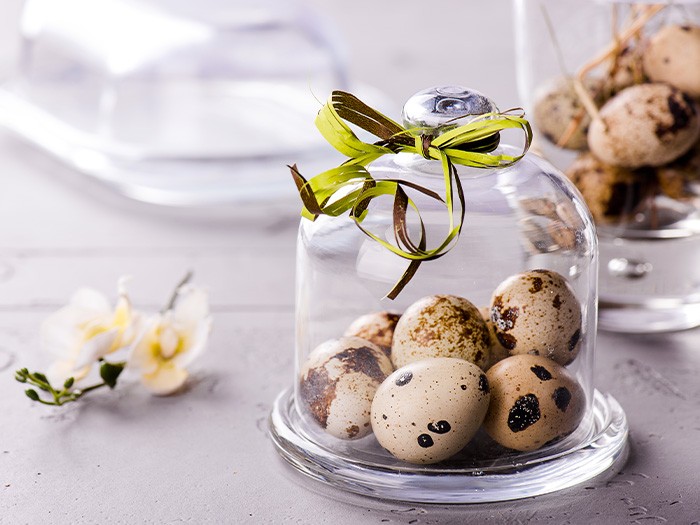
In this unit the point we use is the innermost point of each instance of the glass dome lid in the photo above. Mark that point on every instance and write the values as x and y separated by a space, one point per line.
445 312
171 101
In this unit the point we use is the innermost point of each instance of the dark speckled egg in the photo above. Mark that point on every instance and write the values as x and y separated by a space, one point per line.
429 410
376 327
644 125
441 326
533 402
537 313
338 382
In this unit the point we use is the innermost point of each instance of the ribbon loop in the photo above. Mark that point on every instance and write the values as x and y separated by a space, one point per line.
423 143
350 187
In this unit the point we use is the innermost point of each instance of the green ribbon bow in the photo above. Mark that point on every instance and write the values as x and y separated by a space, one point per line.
350 187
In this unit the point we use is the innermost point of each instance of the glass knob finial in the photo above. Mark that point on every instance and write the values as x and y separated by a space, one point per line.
438 106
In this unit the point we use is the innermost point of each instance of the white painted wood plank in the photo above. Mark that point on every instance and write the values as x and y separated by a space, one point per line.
261 278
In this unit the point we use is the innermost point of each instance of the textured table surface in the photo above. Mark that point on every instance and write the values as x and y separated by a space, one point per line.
204 456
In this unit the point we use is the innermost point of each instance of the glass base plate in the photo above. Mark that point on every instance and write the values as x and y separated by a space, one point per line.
379 475
647 318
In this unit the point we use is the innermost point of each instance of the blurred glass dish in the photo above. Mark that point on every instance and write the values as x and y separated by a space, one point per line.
174 102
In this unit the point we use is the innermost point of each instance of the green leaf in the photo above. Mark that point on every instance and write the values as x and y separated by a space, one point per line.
69 383
109 372
32 394
40 377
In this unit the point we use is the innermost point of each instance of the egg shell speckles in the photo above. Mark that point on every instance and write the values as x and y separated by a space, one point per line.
609 191
377 327
679 180
556 105
441 326
673 56
429 410
533 402
537 313
338 382
497 350
644 125
628 69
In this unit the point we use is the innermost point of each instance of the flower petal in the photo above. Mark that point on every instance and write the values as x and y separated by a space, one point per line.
165 380
59 333
192 306
91 301
197 344
98 346
141 355
59 371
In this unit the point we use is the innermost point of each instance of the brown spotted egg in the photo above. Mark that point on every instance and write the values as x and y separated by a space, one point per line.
673 57
534 401
644 125
377 327
429 410
441 326
537 313
497 350
557 105
610 191
338 382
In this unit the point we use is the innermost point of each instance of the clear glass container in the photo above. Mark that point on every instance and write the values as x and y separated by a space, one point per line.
171 101
591 72
523 217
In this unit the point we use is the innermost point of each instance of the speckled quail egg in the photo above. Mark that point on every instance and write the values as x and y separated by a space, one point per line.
441 326
497 350
338 382
644 125
537 313
377 327
626 70
429 410
541 206
557 104
609 191
673 56
534 401
681 178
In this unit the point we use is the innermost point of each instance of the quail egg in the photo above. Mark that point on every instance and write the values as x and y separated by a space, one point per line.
644 125
681 178
533 402
441 326
429 410
537 313
609 191
497 351
338 382
673 56
377 327
627 70
556 105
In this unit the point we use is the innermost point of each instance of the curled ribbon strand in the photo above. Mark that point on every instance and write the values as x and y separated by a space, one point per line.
351 188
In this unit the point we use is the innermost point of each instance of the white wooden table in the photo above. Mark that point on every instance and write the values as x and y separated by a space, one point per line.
204 456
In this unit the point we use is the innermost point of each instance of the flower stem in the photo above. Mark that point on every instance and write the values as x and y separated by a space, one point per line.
66 394
173 298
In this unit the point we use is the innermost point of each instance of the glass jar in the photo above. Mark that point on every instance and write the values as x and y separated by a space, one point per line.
613 87
524 219
174 102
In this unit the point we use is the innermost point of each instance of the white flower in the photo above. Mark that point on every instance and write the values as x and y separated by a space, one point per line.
171 341
85 330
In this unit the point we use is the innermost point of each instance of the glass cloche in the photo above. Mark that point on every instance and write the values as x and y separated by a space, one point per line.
171 101
475 382
613 89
